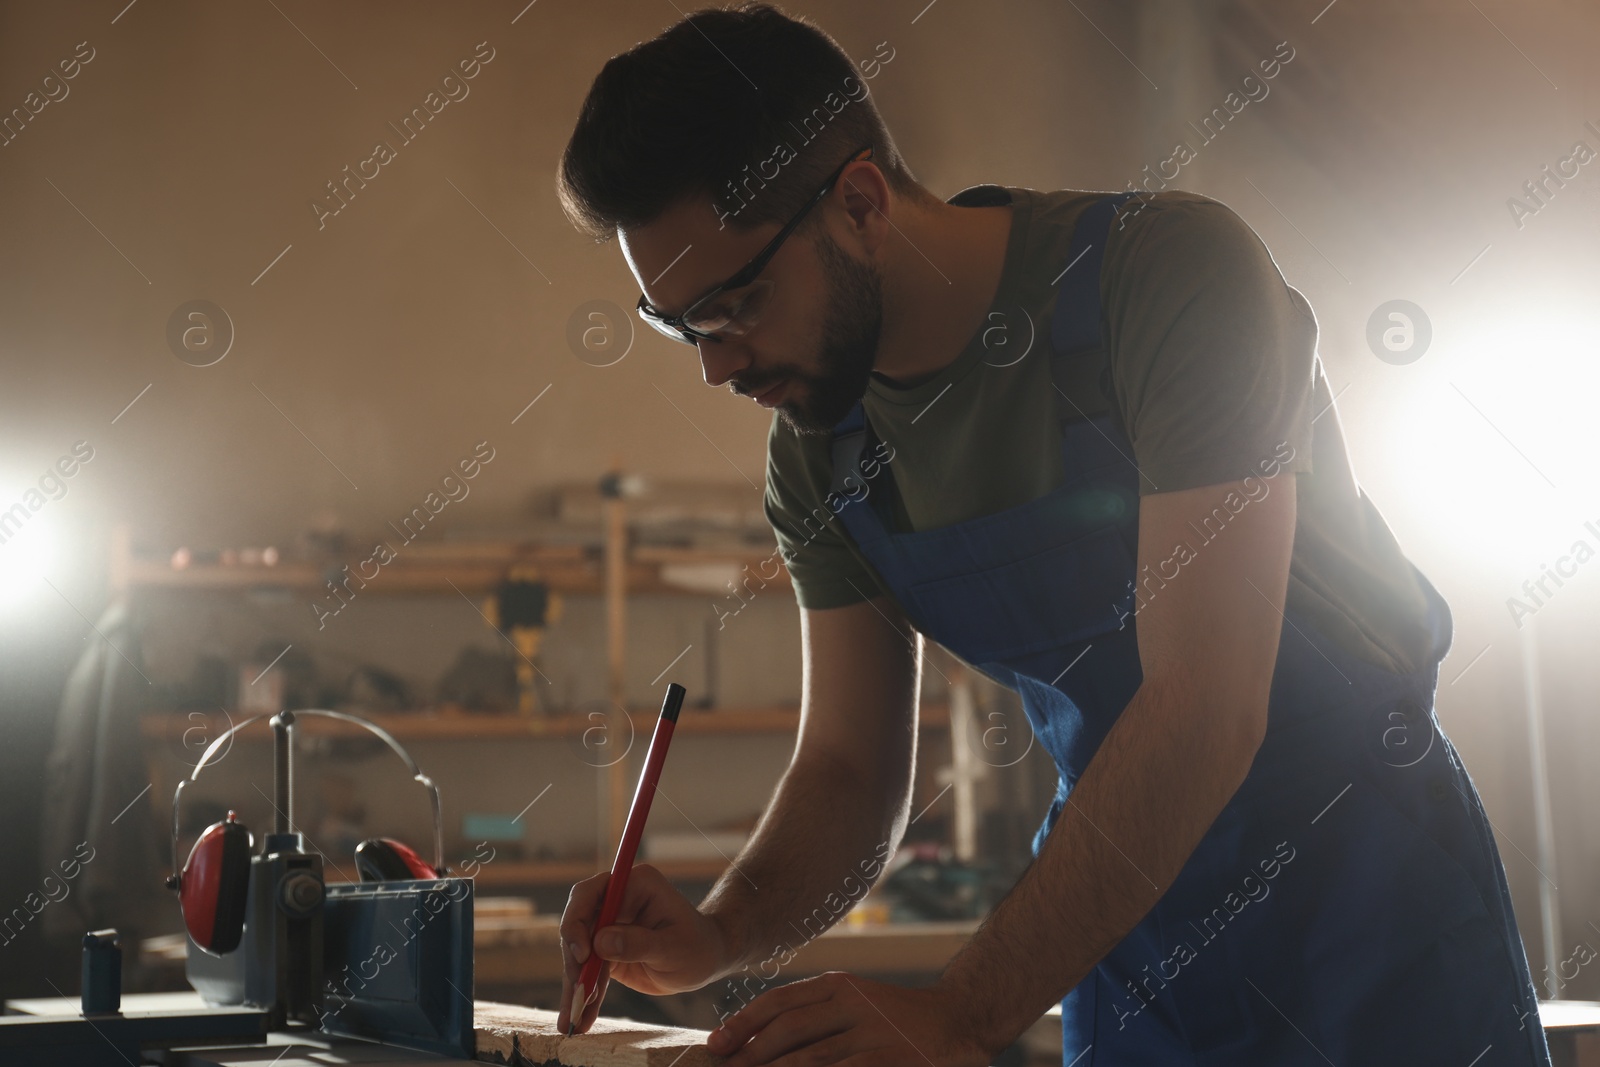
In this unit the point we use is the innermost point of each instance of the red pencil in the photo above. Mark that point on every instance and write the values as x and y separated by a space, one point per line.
637 815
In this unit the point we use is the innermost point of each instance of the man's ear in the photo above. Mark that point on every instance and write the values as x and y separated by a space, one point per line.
867 204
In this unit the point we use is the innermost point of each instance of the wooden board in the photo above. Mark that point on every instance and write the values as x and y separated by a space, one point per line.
527 1037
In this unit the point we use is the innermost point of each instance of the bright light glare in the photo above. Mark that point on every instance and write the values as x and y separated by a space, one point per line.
25 559
1495 440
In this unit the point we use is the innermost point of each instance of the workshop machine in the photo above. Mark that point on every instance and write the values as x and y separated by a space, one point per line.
274 948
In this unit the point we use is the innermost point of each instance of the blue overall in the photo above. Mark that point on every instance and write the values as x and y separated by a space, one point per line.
1348 906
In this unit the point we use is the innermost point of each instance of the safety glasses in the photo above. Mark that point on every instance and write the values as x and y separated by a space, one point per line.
733 308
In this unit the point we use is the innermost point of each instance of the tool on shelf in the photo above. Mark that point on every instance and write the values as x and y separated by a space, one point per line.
522 607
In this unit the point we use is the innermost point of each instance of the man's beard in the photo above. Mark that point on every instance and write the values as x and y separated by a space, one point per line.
849 344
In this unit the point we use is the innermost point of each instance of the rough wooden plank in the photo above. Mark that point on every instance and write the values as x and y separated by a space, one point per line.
527 1037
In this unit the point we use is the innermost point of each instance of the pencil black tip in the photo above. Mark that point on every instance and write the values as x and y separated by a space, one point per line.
673 702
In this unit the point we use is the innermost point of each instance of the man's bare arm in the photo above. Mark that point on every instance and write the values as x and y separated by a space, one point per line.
842 804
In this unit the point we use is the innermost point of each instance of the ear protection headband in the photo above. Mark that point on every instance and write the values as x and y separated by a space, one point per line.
213 886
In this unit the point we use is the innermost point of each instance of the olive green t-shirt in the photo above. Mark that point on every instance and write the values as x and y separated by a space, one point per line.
1214 372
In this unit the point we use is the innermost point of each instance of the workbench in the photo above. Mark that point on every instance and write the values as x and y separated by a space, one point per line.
506 1034
510 1034
512 950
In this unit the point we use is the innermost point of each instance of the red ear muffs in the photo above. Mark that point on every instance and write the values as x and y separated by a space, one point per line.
215 884
383 859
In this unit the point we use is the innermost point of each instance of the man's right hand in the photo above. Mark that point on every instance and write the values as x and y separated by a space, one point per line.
660 943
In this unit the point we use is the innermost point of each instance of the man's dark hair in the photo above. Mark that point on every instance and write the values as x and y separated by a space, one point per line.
744 104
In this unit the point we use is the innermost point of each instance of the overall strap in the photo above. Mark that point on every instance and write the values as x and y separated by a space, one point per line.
1075 326
849 440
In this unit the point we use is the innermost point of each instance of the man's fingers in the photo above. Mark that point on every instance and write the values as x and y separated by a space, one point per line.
791 1031
751 1019
840 1049
583 905
577 932
621 943
647 887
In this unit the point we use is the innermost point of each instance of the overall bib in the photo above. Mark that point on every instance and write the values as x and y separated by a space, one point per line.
1348 906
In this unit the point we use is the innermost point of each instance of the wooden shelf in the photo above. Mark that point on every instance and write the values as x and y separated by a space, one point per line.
505 873
501 874
468 567
429 726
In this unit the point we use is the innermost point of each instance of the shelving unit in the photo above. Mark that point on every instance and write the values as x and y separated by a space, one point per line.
613 569
473 567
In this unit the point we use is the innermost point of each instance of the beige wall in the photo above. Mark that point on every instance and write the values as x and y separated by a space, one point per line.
406 328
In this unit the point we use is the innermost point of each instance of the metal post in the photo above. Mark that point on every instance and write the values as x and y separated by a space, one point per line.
102 972
1543 819
963 768
614 779
281 774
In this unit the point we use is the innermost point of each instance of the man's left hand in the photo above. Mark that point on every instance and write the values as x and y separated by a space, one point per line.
836 1017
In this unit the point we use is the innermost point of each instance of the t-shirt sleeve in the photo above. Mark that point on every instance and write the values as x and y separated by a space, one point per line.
1212 351
824 569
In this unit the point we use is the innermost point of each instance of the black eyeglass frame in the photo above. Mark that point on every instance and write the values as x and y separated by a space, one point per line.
751 270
